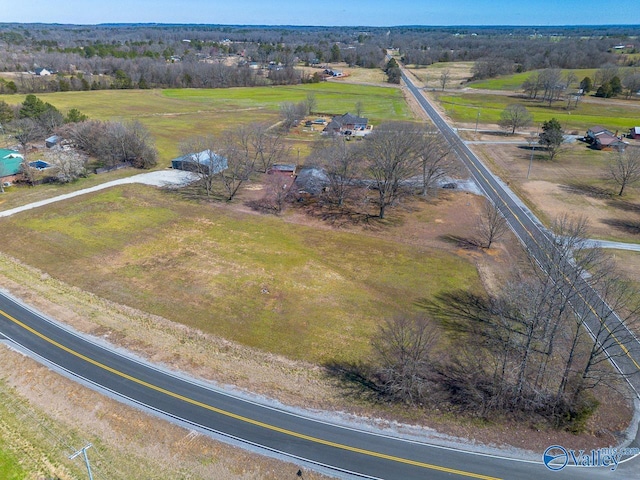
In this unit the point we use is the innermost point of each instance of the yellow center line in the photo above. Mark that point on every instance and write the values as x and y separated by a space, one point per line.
243 418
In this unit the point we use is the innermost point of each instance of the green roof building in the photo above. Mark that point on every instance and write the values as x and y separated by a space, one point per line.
10 162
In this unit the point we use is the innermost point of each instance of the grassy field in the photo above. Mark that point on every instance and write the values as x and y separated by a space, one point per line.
174 115
307 293
574 183
10 468
514 82
465 107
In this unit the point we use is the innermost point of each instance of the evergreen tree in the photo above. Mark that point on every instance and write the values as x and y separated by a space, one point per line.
551 137
586 85
336 55
32 107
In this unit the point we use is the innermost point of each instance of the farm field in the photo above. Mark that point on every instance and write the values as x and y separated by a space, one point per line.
304 292
464 108
174 115
515 81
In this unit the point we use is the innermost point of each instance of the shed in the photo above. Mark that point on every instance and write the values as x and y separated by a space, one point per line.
205 161
52 141
283 169
634 132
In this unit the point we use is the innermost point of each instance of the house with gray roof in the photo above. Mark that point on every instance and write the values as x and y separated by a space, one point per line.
347 122
205 161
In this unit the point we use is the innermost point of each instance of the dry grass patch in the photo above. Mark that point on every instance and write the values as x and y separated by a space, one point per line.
429 77
573 183
41 424
307 293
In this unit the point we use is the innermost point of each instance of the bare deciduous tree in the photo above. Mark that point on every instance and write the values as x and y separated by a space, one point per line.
201 154
491 225
277 190
268 145
444 78
342 166
624 170
631 82
404 349
241 159
515 116
25 131
392 158
292 113
435 159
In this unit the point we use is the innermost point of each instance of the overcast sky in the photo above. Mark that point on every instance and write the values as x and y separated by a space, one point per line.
324 12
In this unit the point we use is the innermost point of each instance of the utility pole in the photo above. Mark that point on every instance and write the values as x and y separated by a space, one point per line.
83 451
477 118
532 144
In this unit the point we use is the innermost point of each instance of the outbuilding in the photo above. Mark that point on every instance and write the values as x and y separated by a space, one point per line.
205 161
52 141
283 169
10 165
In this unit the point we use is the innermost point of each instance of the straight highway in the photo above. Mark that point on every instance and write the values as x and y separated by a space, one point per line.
622 346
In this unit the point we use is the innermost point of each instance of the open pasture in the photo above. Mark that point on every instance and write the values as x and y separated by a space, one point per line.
305 292
176 114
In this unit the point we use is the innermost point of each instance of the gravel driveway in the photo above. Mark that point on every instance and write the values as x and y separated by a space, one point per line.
160 178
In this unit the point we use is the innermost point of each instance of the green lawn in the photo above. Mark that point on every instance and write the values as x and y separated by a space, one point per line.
176 114
465 107
303 292
10 468
514 82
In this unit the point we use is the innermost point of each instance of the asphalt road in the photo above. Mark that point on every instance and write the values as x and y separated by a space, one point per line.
622 346
348 452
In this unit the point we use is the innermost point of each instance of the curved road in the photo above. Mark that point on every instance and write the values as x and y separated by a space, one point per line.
348 452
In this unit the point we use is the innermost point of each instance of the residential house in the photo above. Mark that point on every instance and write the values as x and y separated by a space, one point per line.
609 142
205 161
594 132
602 139
42 72
347 123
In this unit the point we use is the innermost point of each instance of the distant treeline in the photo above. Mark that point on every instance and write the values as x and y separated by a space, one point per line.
200 56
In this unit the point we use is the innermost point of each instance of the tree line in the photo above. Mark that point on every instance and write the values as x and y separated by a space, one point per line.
523 352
